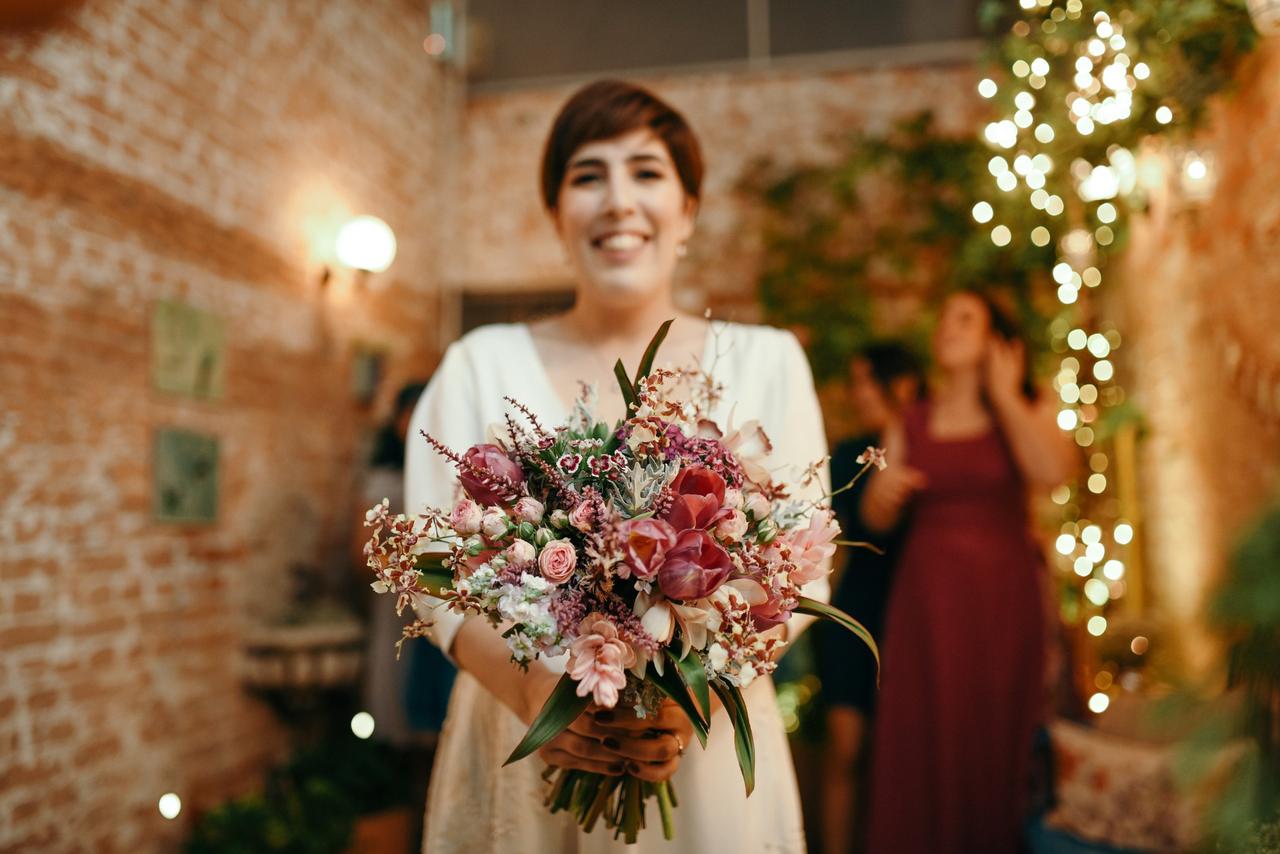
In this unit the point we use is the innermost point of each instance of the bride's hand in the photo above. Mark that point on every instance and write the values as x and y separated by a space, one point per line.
649 748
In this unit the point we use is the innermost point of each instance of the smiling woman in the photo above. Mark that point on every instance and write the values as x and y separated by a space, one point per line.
621 179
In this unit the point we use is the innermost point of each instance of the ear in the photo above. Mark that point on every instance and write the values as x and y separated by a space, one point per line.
690 217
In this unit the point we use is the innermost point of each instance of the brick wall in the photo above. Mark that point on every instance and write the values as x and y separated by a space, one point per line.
203 152
1199 309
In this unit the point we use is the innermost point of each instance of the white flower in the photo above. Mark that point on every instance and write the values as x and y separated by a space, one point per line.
381 586
717 657
746 675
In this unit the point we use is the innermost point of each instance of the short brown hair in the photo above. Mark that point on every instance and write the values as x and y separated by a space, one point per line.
610 108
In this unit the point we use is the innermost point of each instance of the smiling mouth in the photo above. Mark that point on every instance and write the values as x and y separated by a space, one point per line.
620 241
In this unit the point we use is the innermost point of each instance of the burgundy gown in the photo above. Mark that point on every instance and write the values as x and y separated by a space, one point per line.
961 687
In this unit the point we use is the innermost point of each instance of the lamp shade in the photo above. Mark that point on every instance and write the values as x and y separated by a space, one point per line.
367 243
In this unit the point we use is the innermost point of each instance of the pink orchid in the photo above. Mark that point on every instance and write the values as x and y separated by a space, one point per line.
813 547
598 659
748 443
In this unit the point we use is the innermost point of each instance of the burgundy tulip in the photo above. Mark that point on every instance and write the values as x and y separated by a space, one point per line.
483 475
694 567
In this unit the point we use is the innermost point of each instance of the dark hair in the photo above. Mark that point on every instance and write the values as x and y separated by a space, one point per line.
892 360
388 447
610 108
1004 323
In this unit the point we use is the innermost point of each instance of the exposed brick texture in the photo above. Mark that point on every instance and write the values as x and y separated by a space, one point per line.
204 152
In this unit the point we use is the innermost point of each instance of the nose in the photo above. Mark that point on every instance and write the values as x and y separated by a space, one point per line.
620 197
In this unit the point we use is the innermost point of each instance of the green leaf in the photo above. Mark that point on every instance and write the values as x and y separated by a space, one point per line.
624 383
561 709
670 683
651 352
821 609
694 675
743 741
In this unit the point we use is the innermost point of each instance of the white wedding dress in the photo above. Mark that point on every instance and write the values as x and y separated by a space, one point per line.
474 804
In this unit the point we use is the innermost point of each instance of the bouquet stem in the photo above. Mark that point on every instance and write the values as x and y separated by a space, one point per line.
620 801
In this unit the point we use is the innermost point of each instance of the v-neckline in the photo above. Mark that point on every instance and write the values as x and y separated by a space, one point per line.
553 393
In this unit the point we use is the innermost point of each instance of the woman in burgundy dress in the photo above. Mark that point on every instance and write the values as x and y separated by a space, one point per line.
962 684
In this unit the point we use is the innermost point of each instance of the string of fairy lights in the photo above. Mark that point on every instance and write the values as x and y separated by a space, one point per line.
1049 153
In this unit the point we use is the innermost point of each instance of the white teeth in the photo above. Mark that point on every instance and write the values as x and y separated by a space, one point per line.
622 242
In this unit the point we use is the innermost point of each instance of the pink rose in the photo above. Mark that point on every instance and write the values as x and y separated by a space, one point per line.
758 506
494 524
583 516
598 660
646 543
521 552
557 561
812 547
529 510
489 475
465 518
699 495
694 567
732 527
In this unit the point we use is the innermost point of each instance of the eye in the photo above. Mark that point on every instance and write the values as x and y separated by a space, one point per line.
648 174
583 178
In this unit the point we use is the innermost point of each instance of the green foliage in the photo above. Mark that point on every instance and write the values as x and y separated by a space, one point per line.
309 805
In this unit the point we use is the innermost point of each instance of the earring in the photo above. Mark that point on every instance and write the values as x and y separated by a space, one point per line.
682 250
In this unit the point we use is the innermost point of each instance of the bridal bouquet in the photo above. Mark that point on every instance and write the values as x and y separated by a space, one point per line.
656 553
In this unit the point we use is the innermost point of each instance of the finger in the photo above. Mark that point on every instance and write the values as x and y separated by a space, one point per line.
584 748
662 748
563 759
653 772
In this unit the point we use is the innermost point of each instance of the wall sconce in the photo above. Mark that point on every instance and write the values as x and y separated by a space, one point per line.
1197 177
367 245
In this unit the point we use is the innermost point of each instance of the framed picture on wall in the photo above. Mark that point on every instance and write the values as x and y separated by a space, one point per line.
187 350
184 476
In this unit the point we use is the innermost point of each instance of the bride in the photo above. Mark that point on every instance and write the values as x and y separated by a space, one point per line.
621 176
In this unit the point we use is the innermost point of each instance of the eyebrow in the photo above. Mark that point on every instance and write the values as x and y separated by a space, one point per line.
596 161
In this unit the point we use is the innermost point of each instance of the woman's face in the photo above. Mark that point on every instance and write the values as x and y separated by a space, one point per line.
960 339
872 405
622 215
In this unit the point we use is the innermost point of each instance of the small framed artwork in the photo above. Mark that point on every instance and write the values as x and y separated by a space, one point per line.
185 477
187 350
367 365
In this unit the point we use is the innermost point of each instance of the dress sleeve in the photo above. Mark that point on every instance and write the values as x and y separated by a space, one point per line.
801 441
449 411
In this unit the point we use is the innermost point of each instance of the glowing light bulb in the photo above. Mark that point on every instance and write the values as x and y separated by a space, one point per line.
362 725
1097 483
1040 236
1065 544
1103 370
1141 71
1091 534
983 212
987 88
1067 419
1106 212
1164 115
1099 702
1097 625
1044 133
1123 533
170 805
1000 235
1097 591
1113 570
